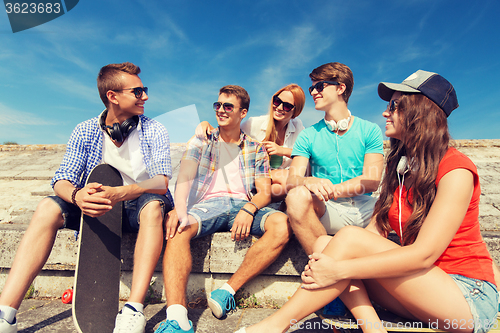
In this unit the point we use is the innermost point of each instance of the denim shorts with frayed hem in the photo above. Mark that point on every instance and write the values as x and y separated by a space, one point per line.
218 214
482 297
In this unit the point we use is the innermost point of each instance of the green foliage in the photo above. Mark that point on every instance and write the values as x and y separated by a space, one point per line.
10 143
152 297
245 300
30 293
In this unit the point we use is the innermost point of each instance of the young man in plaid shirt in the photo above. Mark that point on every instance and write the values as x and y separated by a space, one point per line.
223 185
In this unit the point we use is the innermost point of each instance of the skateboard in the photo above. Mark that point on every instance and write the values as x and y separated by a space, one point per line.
97 276
394 323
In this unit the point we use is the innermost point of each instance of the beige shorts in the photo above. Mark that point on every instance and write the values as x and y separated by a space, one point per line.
347 211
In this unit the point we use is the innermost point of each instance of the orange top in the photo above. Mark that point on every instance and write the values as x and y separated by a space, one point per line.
467 253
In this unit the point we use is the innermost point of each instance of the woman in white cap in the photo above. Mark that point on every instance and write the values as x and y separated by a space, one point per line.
442 274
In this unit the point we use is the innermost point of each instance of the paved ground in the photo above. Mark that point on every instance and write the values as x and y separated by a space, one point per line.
43 316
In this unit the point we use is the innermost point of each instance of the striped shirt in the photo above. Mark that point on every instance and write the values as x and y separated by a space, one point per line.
254 163
84 151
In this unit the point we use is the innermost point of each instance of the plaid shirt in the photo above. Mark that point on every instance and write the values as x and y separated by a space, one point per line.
84 151
254 163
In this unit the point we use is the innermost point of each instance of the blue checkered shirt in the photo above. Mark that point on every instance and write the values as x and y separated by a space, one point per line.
84 151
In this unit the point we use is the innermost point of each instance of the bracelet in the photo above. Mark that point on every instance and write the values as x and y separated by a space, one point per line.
246 210
257 207
73 195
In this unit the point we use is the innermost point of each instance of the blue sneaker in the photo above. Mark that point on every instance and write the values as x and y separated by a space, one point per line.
220 302
171 326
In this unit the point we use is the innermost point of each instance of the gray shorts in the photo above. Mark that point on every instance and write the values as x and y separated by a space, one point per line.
347 211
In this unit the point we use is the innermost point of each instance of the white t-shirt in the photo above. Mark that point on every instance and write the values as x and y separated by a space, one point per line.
127 158
256 127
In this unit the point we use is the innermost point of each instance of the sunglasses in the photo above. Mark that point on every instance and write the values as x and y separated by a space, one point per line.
227 107
321 85
392 106
138 91
286 106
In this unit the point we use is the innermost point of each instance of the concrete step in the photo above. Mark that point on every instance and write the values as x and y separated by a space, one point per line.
215 258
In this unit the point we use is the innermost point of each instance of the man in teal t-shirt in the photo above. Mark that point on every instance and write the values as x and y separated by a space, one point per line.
345 154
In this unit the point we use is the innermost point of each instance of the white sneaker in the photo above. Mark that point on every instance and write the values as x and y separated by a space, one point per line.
241 330
129 320
6 327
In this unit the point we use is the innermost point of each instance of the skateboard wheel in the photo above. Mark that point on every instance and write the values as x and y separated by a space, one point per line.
67 296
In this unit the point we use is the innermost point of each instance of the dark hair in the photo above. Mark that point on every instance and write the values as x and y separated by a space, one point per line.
335 71
425 140
108 78
239 92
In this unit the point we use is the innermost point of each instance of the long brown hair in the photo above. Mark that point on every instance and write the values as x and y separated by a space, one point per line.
299 99
424 141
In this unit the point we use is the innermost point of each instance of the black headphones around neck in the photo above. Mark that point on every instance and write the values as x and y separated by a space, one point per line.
118 132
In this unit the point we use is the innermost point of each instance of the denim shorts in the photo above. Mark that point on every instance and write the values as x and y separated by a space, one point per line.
131 210
347 211
218 214
482 297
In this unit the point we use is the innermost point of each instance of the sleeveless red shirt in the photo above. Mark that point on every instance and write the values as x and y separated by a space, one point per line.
467 253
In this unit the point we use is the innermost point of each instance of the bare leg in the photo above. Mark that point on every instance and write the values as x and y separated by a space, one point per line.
33 251
357 301
177 262
264 252
303 210
429 295
147 250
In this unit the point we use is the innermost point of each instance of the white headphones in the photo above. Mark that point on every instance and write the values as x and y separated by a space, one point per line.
402 168
342 125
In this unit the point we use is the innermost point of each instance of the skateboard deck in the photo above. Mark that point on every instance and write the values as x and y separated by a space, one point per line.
394 323
97 275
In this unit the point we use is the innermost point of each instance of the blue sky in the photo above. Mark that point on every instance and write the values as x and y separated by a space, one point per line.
188 49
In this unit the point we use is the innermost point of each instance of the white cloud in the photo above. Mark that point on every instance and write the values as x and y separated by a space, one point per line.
9 116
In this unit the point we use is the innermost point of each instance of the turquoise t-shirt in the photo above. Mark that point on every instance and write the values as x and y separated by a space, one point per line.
338 158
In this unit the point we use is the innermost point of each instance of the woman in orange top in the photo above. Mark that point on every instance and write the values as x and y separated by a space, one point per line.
443 273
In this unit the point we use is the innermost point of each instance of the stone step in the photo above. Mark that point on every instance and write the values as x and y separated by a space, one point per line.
215 258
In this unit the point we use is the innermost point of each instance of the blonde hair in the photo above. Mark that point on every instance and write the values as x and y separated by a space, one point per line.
299 99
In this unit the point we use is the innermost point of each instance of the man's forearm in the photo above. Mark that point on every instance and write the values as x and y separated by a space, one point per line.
157 185
295 181
356 186
64 189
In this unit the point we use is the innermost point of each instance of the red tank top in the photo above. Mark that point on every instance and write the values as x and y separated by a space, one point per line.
467 253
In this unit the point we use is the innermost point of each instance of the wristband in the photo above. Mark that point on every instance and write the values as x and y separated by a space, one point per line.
246 210
257 207
73 195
